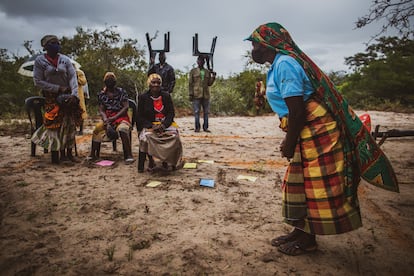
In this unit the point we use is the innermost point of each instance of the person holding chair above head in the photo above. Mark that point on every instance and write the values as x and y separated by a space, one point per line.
55 75
165 70
158 133
199 83
113 108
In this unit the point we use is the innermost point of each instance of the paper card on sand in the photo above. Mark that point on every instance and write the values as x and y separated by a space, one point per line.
206 161
153 184
190 166
105 163
207 182
247 177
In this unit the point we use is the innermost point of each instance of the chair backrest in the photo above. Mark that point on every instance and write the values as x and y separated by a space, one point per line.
132 111
34 105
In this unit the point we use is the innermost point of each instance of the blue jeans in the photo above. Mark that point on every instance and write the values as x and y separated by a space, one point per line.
197 104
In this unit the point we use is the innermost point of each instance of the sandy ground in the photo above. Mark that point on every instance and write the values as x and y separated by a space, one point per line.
85 219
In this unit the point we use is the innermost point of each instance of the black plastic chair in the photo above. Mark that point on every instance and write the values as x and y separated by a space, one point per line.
34 108
132 113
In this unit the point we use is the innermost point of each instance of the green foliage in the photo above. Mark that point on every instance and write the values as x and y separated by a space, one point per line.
101 51
228 96
385 71
14 88
381 77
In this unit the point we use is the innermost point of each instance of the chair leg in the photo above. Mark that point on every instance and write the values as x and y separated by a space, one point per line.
33 149
141 161
151 161
76 149
55 157
95 150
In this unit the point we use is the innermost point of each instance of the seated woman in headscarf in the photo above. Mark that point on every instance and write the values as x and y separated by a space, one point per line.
158 133
113 108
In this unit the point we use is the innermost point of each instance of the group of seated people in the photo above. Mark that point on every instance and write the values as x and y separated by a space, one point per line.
56 76
158 133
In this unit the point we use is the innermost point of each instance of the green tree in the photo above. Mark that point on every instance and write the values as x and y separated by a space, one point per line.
395 13
102 51
14 88
385 70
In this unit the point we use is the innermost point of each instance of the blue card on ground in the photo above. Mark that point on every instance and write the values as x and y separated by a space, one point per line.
207 182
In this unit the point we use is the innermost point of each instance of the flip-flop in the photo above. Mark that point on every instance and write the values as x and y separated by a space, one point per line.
296 248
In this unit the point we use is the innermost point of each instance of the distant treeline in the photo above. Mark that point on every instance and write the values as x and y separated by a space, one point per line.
381 78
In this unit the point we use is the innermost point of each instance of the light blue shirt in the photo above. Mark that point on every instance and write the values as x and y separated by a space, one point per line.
286 78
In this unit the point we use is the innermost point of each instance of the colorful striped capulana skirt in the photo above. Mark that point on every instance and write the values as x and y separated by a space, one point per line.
316 196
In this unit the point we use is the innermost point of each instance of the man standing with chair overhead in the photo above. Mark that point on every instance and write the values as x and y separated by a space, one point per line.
200 80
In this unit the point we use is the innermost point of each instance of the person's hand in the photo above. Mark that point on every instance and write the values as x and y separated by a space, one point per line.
109 120
64 89
72 99
158 128
213 74
284 151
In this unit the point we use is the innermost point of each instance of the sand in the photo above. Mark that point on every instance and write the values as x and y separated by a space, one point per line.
84 219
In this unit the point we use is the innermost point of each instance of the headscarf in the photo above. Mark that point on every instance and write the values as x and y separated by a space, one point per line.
360 150
109 74
153 76
46 39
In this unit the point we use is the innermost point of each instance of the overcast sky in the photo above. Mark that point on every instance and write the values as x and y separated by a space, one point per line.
323 29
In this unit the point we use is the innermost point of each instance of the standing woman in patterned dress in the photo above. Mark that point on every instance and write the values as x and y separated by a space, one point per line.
328 147
55 75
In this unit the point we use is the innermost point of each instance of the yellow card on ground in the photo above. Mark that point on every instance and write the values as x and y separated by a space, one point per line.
190 166
247 177
206 161
153 184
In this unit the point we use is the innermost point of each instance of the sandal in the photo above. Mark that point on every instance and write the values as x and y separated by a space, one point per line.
296 248
285 238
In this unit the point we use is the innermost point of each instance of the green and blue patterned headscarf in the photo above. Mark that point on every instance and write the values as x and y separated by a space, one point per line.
362 154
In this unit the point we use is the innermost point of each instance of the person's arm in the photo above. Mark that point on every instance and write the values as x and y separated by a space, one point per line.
142 117
81 77
122 112
296 122
73 80
102 112
212 77
169 110
171 80
39 79
191 86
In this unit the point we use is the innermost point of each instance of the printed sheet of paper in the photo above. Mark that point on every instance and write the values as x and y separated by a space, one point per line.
206 161
247 177
153 184
190 166
105 163
207 182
